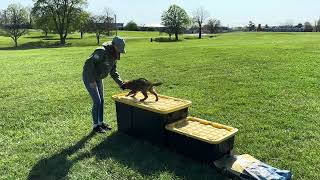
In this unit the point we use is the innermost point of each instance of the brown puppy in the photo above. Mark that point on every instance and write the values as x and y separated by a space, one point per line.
142 85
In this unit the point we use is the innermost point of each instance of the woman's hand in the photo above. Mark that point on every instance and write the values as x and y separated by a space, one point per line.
123 86
93 85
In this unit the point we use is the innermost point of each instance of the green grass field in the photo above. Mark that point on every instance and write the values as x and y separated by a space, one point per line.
264 84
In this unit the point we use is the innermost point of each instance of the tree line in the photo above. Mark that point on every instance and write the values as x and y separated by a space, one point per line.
66 16
57 16
287 27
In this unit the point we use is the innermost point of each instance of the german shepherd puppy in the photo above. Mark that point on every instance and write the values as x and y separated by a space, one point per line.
142 85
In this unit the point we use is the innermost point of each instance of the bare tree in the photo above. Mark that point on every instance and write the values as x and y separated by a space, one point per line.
62 11
110 25
199 16
101 24
29 11
98 24
213 25
317 25
14 21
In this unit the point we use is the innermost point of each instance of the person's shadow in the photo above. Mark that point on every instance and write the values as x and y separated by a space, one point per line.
132 153
150 160
58 165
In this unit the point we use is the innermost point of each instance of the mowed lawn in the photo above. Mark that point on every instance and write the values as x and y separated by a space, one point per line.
265 84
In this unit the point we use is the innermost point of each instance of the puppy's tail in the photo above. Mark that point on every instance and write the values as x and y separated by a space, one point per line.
157 83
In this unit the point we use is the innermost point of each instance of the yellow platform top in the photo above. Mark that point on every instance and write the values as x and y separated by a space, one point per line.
202 130
164 105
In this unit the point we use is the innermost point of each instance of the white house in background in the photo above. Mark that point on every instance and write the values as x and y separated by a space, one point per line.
155 25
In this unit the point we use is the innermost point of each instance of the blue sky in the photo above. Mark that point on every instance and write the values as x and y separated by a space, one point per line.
230 12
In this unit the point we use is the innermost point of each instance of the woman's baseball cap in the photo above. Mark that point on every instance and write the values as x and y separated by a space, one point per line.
119 43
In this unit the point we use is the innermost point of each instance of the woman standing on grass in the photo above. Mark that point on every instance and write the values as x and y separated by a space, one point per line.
97 67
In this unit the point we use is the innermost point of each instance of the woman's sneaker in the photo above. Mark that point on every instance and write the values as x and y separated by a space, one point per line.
105 127
98 129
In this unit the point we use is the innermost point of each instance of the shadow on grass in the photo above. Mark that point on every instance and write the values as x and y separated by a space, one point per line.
58 165
50 38
166 39
135 154
150 160
40 37
37 45
197 37
187 37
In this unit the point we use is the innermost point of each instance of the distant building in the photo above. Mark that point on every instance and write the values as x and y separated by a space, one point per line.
283 29
151 27
119 25
112 26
